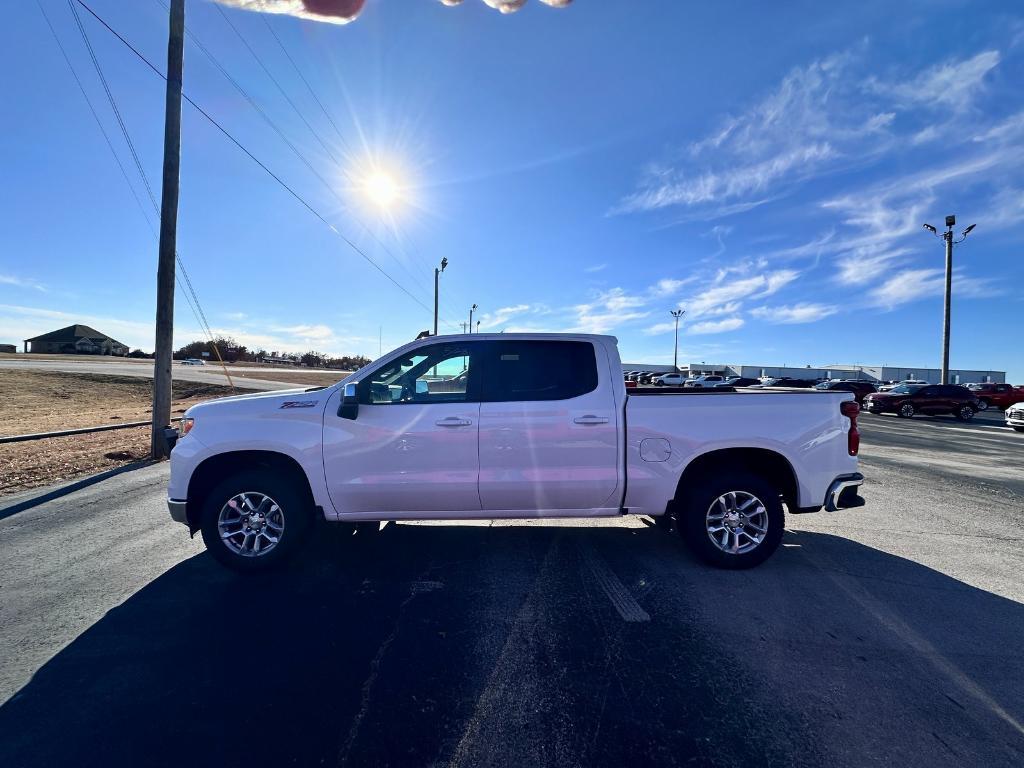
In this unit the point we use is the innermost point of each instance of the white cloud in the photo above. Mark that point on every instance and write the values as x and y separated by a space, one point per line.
659 328
500 317
715 326
22 322
793 314
610 309
913 284
595 268
867 264
723 297
669 286
822 117
948 85
22 282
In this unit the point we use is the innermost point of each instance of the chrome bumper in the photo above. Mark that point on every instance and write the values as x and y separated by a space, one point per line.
178 510
842 494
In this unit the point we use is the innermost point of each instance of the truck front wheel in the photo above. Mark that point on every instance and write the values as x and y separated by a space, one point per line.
253 520
734 522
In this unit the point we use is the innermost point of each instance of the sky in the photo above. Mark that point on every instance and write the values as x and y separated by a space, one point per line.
765 167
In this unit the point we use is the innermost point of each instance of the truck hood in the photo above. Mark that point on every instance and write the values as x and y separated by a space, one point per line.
263 400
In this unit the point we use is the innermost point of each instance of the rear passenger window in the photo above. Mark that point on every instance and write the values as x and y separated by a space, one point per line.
518 371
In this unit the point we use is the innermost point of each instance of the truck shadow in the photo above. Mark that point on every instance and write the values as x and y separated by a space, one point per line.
469 645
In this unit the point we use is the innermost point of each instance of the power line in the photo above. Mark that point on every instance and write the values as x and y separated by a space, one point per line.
109 143
295 150
188 288
256 160
312 130
309 88
273 79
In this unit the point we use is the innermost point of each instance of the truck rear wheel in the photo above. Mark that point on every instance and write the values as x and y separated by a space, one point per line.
254 520
734 522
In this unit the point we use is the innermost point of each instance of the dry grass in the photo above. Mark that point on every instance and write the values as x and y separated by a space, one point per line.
43 401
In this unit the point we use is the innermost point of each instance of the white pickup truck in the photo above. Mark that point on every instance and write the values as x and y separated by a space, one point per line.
510 426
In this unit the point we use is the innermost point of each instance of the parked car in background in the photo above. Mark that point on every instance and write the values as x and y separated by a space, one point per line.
908 400
859 388
1015 417
699 382
785 381
737 381
893 384
193 361
670 380
1000 396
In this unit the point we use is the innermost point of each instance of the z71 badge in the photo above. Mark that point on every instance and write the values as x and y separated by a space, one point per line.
299 404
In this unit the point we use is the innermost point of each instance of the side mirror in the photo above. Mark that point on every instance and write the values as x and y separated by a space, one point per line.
422 388
349 407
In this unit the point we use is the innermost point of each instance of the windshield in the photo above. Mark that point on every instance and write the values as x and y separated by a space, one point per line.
906 389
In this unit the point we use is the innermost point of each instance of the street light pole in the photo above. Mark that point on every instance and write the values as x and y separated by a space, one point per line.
437 273
947 299
677 313
471 310
164 342
947 238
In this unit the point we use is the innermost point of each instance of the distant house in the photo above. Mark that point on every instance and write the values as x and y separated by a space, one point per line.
75 340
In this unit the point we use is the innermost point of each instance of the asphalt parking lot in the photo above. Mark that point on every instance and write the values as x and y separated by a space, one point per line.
888 635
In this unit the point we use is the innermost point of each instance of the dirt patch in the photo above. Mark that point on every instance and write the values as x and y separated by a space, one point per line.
44 401
59 459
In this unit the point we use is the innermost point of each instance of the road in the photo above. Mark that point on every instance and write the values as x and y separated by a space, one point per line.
888 635
208 374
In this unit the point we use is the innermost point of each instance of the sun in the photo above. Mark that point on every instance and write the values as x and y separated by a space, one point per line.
382 189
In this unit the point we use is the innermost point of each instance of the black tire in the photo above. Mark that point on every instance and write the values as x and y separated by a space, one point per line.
984 405
659 383
965 413
905 411
292 506
696 504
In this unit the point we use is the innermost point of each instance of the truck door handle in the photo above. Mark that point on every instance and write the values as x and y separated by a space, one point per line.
590 419
453 421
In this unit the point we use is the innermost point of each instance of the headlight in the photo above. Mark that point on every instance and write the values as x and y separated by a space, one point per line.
187 423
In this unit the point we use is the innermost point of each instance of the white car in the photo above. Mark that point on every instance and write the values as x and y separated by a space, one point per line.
1014 416
193 361
541 425
669 380
699 382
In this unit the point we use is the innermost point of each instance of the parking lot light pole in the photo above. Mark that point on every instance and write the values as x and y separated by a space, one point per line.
677 313
471 311
947 237
437 274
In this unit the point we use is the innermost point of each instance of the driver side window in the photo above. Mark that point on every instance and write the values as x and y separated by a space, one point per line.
438 373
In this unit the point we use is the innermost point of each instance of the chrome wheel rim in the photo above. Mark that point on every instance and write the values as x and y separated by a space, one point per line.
250 524
966 412
907 410
983 405
737 522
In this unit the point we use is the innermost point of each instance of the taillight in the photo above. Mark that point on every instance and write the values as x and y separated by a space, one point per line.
850 409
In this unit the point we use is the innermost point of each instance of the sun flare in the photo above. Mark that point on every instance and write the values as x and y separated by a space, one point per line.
382 189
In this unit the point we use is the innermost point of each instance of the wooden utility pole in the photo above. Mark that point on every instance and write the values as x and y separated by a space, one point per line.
168 234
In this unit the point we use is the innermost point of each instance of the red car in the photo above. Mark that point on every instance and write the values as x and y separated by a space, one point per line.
1000 396
907 400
